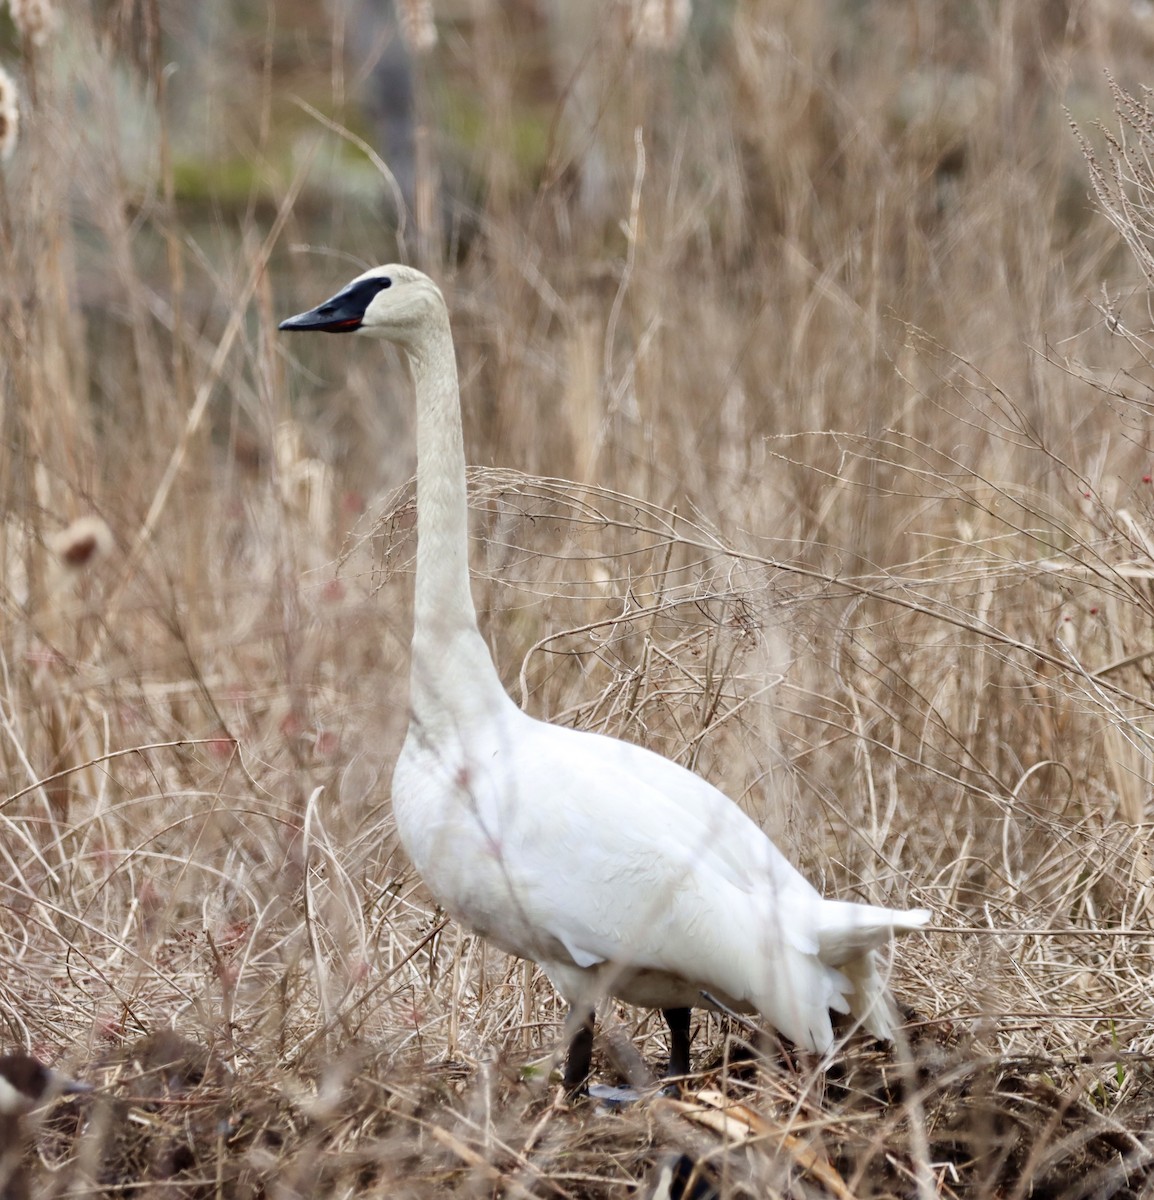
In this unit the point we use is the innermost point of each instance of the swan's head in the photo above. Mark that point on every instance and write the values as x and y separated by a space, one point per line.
394 302
25 1081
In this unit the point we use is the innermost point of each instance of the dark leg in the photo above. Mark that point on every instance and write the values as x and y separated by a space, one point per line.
580 1059
678 1021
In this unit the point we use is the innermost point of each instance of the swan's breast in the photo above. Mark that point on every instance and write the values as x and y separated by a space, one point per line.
460 824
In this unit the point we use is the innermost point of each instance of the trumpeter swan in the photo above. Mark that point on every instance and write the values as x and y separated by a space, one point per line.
618 871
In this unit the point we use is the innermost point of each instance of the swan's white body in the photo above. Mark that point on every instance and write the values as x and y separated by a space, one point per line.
617 870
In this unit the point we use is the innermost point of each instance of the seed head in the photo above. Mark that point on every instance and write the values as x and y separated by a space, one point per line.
34 19
9 116
82 543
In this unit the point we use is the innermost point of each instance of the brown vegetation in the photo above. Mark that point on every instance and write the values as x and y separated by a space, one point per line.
817 458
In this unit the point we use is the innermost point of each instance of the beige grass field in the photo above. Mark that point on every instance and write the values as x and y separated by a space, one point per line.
813 451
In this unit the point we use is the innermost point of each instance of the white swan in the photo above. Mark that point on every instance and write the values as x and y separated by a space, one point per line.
618 871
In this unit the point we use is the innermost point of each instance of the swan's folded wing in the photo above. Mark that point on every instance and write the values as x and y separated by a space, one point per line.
630 858
587 772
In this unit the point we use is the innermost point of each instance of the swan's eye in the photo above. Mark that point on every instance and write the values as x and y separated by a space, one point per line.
386 282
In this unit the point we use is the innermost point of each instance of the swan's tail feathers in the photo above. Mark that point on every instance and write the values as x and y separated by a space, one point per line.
810 971
848 936
847 931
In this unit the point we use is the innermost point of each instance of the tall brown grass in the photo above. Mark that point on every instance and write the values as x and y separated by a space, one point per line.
821 465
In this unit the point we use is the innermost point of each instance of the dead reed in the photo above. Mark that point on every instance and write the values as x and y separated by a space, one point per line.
817 457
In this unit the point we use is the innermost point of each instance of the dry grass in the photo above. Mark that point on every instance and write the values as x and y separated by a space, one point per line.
821 464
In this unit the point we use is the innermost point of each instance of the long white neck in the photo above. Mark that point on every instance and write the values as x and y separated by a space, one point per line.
453 677
444 601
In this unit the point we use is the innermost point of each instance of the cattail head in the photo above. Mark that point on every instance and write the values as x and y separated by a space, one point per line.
661 24
418 28
9 116
80 545
34 19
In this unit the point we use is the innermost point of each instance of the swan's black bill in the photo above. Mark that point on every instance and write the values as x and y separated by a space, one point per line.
344 313
25 1081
